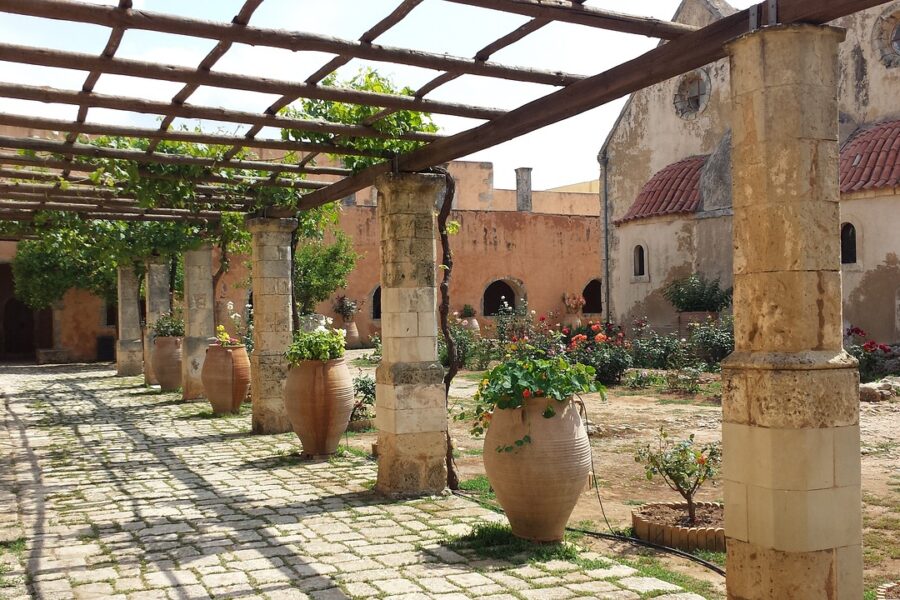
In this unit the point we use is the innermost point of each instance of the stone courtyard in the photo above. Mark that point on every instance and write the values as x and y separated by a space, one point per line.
124 492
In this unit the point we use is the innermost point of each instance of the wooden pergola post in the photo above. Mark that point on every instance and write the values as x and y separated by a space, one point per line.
790 401
272 320
129 346
410 404
156 292
199 319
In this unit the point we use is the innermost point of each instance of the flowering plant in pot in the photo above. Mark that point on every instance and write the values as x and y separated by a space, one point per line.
347 308
573 303
226 369
467 318
535 439
318 393
168 334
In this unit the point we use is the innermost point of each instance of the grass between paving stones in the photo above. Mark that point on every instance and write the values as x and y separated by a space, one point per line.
649 566
493 540
16 548
480 487
207 413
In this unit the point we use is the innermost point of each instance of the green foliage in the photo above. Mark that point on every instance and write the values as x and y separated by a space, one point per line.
638 380
320 268
683 465
467 312
696 293
396 123
601 346
364 392
492 540
168 325
686 380
346 307
712 340
321 344
650 350
519 379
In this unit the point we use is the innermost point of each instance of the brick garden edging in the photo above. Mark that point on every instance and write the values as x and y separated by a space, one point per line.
881 592
675 536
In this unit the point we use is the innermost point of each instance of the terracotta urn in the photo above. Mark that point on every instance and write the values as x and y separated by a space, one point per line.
572 320
538 483
472 324
318 398
226 377
167 362
352 335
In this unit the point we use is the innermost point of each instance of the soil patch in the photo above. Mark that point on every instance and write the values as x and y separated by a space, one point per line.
707 516
893 592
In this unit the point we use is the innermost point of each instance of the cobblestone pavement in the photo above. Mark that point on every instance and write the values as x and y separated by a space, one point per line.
127 493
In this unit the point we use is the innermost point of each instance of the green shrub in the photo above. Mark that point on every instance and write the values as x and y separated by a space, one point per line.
712 340
320 268
320 344
169 324
696 293
609 361
364 392
638 380
685 380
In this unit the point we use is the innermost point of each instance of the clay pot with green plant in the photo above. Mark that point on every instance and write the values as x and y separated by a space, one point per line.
318 393
536 450
226 372
468 320
347 308
168 335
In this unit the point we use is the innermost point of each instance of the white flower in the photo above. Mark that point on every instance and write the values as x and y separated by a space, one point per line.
465 322
533 313
329 320
230 306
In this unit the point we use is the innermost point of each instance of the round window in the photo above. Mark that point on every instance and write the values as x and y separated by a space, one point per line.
692 94
886 38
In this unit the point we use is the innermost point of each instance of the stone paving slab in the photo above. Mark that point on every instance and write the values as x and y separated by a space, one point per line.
125 493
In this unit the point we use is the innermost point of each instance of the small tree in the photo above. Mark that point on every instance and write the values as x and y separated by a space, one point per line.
696 293
682 465
320 268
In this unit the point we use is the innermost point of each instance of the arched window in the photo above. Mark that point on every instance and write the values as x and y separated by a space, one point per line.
376 303
848 244
496 295
593 297
640 262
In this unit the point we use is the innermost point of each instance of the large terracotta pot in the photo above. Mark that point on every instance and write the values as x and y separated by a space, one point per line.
471 323
538 484
226 377
572 320
352 335
318 397
167 362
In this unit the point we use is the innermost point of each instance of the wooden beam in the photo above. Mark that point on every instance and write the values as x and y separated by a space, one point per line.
176 135
190 111
19 192
668 60
571 12
166 72
166 159
109 16
28 215
67 205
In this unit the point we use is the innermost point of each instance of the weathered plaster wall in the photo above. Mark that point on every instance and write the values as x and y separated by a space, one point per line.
872 285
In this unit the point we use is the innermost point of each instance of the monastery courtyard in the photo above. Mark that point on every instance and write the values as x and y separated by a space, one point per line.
128 493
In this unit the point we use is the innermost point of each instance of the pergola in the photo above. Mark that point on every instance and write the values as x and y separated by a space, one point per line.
782 524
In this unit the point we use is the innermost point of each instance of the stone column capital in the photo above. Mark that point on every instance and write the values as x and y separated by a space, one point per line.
410 192
257 224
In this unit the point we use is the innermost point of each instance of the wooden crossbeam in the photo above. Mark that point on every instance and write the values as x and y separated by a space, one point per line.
84 205
574 12
26 191
109 16
29 215
166 72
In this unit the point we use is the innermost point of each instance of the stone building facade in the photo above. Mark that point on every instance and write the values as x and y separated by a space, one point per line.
667 179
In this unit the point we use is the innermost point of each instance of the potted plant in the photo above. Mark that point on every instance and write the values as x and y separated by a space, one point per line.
364 393
696 299
573 303
347 308
318 393
536 450
226 370
467 318
168 334
685 466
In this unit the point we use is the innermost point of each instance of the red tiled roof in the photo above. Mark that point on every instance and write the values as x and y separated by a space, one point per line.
673 190
870 159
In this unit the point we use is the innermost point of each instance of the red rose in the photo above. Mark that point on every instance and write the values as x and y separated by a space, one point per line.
526 393
565 331
595 328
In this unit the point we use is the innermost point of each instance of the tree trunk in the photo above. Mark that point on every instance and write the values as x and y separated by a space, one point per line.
692 511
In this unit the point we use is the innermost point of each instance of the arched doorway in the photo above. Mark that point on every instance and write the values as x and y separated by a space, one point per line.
495 296
593 297
18 329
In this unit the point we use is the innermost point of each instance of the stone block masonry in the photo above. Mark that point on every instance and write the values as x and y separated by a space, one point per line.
199 319
156 292
272 270
411 412
790 402
129 346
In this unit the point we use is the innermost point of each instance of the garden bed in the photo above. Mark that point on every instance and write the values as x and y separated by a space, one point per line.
667 524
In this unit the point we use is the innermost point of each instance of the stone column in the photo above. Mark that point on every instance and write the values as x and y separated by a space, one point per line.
156 295
410 406
199 319
271 320
130 346
791 403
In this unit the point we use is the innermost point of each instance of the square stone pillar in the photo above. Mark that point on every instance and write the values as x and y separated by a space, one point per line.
272 331
156 295
130 346
790 402
199 319
410 405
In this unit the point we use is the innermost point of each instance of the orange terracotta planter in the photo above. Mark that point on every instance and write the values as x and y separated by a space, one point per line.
675 536
352 335
539 483
167 362
318 398
226 377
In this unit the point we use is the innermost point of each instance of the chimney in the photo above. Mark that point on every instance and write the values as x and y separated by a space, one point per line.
523 189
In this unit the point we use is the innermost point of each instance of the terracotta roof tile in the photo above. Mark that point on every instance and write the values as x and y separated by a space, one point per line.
673 190
870 158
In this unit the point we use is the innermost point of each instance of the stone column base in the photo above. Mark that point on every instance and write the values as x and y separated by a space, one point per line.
412 464
193 355
267 392
129 358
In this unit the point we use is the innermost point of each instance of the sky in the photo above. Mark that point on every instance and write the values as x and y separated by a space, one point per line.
559 154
